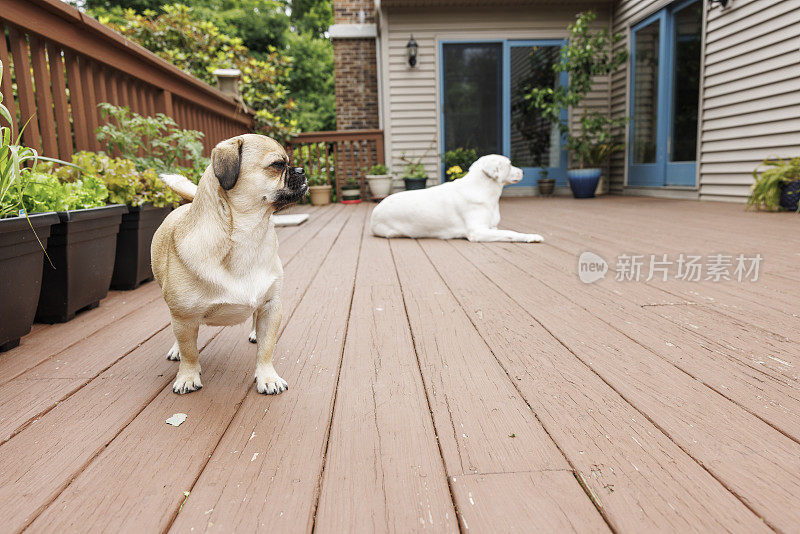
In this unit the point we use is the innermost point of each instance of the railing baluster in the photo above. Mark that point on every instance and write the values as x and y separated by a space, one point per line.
27 102
44 98
63 129
87 82
5 83
79 125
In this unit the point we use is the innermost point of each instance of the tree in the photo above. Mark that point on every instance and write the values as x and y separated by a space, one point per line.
199 48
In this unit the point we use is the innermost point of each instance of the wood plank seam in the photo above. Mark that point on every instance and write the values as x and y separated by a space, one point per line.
144 406
767 376
459 513
575 472
99 450
4 380
284 324
663 430
70 393
318 489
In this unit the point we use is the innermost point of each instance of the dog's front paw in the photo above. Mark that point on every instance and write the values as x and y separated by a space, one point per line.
268 382
252 338
534 238
174 353
187 381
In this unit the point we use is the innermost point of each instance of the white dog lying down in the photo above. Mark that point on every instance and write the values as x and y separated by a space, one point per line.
465 208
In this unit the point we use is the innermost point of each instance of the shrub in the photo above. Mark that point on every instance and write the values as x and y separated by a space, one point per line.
378 169
45 192
460 157
198 47
152 142
585 56
769 184
126 184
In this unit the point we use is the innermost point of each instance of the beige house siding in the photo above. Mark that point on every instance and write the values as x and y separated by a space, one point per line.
411 107
751 99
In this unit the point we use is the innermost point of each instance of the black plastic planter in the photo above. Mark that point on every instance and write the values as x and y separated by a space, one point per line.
82 248
21 268
132 262
415 183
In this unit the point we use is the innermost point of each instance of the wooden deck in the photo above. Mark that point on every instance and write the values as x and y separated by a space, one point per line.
442 386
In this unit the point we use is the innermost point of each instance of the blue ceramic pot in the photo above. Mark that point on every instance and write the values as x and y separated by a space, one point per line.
583 182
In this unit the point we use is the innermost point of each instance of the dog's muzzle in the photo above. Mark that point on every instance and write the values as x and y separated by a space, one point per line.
296 187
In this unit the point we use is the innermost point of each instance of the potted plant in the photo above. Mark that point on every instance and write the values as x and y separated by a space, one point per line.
81 246
777 187
415 176
320 189
587 55
457 162
380 181
21 239
546 185
351 191
148 200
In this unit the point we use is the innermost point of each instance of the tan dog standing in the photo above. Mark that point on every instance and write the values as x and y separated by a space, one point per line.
216 259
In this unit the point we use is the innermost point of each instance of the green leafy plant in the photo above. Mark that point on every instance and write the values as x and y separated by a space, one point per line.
769 184
460 157
316 178
378 170
125 183
45 192
414 167
152 142
587 55
351 182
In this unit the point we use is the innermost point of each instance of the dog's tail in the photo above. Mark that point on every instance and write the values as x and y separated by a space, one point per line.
180 184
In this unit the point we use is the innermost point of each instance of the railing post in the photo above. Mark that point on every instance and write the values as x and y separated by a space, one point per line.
164 104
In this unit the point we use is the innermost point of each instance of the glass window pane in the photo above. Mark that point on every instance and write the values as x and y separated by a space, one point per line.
472 96
645 94
535 141
686 82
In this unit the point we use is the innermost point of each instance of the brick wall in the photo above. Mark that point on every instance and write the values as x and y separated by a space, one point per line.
355 69
347 11
356 77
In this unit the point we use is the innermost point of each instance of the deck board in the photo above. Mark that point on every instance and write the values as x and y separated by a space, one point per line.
439 386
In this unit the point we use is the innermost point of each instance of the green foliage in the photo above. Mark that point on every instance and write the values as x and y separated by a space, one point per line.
378 169
317 178
766 191
311 81
45 192
152 142
13 160
199 47
588 54
460 157
415 170
126 184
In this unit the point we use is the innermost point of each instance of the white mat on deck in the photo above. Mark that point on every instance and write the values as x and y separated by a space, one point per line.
290 219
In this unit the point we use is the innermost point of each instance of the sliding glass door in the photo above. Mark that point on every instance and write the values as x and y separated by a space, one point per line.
665 88
483 104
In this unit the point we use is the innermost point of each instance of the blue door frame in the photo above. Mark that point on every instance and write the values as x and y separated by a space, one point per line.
663 172
530 174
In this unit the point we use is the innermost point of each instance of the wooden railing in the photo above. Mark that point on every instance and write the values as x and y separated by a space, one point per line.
338 156
64 63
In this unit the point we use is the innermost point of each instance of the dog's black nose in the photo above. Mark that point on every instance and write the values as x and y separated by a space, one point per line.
299 170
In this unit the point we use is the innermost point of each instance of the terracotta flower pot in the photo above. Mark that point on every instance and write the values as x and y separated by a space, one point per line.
320 195
21 265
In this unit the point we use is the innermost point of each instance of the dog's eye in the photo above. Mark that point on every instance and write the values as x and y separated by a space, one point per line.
280 165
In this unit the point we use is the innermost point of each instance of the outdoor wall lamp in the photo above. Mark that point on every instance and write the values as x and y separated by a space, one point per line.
411 50
723 3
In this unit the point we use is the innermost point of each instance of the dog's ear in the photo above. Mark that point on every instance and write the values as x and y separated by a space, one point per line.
495 166
226 159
